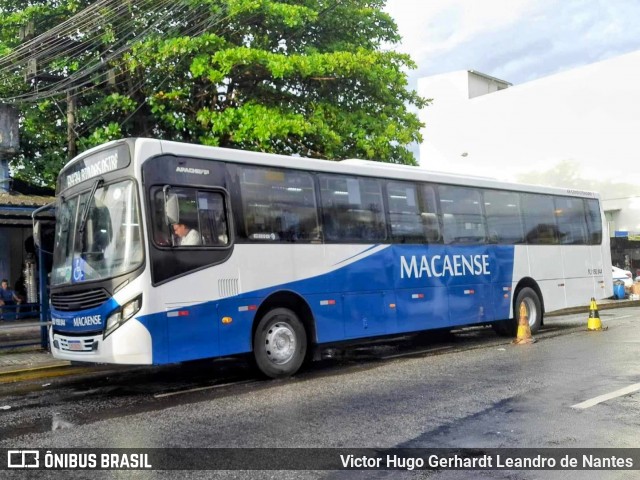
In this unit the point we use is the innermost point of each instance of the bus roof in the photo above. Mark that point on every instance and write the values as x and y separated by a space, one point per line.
146 148
409 169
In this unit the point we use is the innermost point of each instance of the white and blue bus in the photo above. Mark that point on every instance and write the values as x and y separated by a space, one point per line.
291 253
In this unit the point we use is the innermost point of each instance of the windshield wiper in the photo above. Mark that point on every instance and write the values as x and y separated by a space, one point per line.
87 206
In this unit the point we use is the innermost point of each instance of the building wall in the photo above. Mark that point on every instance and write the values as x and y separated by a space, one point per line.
582 124
588 115
446 89
482 84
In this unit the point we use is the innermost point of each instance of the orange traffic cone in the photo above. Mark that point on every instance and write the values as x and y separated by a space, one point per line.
524 331
594 324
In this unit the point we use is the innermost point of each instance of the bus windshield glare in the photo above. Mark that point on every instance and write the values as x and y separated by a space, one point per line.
97 234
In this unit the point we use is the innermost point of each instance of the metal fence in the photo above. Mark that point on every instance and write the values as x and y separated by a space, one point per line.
22 326
22 311
26 324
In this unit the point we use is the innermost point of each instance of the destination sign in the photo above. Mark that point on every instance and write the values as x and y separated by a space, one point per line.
95 165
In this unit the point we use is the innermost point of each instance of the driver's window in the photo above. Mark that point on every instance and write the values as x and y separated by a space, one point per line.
201 218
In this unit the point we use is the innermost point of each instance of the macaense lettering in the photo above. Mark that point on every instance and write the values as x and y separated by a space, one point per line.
443 266
87 321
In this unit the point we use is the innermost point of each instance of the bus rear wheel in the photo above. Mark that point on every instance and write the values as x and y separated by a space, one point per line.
533 307
528 298
279 343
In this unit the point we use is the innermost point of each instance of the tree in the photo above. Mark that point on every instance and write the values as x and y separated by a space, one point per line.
316 78
566 173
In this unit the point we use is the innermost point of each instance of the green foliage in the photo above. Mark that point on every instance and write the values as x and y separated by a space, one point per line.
310 77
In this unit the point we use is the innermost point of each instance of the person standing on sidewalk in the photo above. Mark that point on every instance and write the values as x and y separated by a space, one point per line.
7 297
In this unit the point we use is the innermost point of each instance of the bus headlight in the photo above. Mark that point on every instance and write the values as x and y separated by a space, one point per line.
123 314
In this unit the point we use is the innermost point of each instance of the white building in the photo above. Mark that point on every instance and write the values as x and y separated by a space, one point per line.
580 128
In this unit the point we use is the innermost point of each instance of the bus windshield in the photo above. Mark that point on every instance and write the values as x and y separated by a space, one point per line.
98 234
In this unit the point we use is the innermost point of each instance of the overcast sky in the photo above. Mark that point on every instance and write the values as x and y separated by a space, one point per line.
514 40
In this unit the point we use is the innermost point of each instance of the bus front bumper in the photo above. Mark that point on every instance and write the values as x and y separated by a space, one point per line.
130 344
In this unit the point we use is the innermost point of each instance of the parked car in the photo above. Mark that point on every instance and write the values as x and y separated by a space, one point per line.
622 275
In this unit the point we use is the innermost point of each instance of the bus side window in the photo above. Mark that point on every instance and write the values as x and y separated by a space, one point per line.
539 219
571 220
352 209
504 221
403 209
429 214
200 210
212 219
278 205
463 218
449 228
188 216
594 222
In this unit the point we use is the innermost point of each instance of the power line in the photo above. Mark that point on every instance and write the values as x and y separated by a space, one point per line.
175 12
66 28
194 29
181 19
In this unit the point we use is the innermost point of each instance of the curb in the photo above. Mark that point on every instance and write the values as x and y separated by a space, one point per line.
10 371
28 359
618 304
601 306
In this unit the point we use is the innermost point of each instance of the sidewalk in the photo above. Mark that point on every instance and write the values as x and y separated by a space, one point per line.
21 352
604 304
27 360
34 362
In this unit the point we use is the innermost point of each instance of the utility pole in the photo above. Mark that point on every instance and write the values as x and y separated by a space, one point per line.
71 124
9 142
33 75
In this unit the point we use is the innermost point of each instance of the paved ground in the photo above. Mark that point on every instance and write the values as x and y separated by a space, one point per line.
32 359
20 348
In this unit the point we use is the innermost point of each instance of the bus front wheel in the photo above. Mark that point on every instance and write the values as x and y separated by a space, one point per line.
279 343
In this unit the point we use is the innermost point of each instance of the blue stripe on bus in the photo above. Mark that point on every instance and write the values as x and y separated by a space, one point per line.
356 255
90 320
394 290
400 288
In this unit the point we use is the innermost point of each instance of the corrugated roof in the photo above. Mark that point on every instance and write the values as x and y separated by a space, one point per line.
16 208
20 200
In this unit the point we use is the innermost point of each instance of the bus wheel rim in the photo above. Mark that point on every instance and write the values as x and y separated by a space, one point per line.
280 343
532 311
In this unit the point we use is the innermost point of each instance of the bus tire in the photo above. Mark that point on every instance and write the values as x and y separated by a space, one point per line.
509 328
532 302
279 343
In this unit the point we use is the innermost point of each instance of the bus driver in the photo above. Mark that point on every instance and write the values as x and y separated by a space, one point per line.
186 236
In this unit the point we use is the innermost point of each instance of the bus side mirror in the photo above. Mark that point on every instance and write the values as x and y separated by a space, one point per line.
171 208
37 224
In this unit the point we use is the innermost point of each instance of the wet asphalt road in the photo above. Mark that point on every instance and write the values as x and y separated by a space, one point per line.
468 390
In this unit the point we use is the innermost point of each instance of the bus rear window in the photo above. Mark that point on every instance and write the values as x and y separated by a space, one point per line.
594 221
